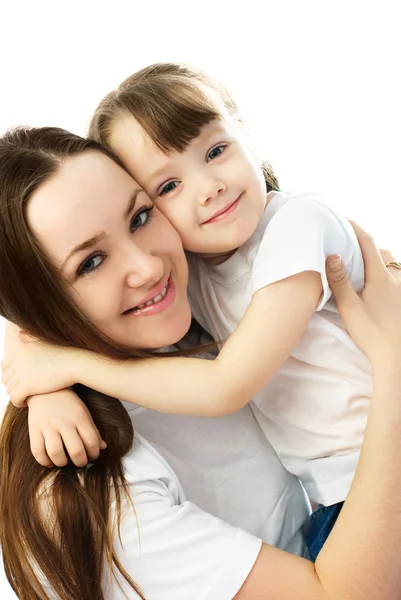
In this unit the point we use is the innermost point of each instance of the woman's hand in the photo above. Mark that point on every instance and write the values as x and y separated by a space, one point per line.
32 367
373 319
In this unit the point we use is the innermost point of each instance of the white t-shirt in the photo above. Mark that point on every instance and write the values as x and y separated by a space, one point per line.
206 493
314 410
227 467
205 550
183 552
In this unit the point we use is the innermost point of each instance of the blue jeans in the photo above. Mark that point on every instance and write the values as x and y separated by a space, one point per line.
321 523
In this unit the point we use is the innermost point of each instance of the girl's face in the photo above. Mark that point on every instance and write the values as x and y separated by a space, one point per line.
122 259
214 192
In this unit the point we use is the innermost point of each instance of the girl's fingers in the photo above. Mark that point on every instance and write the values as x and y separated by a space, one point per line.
55 448
91 440
38 448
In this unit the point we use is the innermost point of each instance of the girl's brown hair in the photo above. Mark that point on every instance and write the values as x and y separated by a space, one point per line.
172 103
56 530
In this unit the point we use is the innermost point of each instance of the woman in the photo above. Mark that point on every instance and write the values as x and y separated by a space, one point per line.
57 526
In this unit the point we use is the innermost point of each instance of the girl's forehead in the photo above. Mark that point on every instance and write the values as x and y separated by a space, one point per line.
126 130
139 152
135 148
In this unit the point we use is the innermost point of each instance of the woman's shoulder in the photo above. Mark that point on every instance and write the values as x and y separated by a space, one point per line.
170 547
144 468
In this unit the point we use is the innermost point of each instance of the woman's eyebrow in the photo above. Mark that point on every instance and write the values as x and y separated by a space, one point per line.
131 203
99 237
86 245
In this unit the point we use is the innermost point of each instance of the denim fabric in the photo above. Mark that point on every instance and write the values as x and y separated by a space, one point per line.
321 523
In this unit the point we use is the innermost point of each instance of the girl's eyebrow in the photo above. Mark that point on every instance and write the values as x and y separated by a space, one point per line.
155 174
206 135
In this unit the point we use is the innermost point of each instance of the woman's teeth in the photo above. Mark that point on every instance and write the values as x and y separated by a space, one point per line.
155 300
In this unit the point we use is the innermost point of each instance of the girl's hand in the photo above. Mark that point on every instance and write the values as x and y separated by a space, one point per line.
59 425
31 367
373 319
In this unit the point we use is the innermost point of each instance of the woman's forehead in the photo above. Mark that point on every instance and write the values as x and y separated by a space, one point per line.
88 188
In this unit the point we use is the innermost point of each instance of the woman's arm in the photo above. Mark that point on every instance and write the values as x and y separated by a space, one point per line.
360 560
272 326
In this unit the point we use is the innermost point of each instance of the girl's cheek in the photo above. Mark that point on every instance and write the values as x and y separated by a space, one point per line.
169 234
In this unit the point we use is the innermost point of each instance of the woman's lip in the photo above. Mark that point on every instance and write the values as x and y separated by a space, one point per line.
223 213
155 292
154 309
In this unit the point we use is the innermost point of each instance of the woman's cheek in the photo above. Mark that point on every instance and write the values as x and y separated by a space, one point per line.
90 297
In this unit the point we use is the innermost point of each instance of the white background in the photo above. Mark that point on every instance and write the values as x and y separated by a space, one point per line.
317 81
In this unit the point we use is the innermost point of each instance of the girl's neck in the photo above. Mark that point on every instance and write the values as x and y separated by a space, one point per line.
217 259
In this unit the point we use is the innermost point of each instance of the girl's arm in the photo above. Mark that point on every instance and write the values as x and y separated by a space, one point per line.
360 560
60 425
271 327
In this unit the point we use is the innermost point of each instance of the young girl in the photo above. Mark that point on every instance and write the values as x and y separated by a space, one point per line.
257 283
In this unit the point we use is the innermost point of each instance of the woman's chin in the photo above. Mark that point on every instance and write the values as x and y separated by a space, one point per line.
176 328
169 332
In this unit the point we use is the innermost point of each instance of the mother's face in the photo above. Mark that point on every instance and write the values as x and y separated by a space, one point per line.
123 260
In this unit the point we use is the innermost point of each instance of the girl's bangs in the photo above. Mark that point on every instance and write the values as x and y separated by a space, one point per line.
171 115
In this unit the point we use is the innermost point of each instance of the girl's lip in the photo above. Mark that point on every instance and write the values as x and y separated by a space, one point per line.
224 212
154 309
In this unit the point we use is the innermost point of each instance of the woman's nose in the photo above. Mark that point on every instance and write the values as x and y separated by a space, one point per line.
143 269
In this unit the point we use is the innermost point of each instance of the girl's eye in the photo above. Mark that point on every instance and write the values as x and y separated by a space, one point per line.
90 264
215 152
141 218
171 185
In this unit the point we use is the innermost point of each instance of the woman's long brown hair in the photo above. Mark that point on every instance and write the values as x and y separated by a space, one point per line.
56 529
172 103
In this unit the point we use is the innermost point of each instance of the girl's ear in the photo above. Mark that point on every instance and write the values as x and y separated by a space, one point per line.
25 337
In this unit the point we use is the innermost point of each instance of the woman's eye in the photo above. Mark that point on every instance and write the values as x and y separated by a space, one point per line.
90 264
215 152
171 185
141 218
